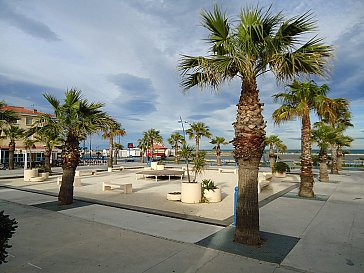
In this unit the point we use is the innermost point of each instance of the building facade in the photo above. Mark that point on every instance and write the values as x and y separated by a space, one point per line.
26 118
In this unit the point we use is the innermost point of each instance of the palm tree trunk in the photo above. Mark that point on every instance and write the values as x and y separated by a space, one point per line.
272 158
11 154
143 151
324 176
306 185
197 146
116 151
339 158
249 147
70 160
176 153
218 155
30 159
109 158
47 160
151 150
334 169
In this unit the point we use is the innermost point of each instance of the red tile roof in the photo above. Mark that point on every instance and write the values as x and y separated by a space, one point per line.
18 109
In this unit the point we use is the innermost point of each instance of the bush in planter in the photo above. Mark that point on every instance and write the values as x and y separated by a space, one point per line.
7 229
280 167
210 192
41 169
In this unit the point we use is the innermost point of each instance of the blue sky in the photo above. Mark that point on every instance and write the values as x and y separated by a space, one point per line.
124 53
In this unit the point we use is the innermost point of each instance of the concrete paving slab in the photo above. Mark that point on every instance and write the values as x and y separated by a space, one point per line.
209 260
175 229
288 216
23 197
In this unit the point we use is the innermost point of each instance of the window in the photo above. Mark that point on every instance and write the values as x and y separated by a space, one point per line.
28 121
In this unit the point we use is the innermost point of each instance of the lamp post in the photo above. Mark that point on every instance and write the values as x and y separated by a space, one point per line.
183 128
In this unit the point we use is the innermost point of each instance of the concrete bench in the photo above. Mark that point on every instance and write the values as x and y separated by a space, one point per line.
76 182
127 188
85 172
115 169
262 184
235 171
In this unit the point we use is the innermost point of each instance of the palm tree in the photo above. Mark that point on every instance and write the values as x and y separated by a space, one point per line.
175 140
29 145
218 141
143 144
75 119
117 148
323 134
299 101
342 141
13 133
186 153
198 130
257 42
112 131
6 116
153 137
273 141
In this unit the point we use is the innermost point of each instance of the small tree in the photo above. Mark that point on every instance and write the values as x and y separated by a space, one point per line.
199 164
175 140
7 229
197 131
29 145
186 152
217 141
13 133
109 133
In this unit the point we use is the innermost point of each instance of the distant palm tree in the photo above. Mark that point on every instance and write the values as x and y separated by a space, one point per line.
186 152
342 141
273 141
198 130
153 137
257 42
117 148
6 116
299 101
323 134
29 145
175 140
112 131
13 133
218 141
143 144
75 119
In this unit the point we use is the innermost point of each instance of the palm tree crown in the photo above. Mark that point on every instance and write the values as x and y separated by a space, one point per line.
153 137
175 140
218 141
198 130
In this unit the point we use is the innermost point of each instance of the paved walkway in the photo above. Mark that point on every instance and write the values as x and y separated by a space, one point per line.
325 234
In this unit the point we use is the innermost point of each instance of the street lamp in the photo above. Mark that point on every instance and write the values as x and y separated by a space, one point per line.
183 128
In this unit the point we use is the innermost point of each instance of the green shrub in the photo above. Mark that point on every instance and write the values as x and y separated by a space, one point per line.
280 167
7 229
207 184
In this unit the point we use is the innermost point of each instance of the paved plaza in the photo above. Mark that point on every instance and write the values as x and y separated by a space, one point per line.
115 232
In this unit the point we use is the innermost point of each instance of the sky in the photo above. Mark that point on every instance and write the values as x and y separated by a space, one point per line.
125 53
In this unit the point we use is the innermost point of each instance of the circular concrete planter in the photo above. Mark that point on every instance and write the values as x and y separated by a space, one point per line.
44 175
280 175
212 196
191 193
174 196
153 165
160 167
30 173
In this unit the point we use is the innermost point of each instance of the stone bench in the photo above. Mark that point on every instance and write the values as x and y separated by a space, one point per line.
76 182
115 169
85 172
127 187
220 170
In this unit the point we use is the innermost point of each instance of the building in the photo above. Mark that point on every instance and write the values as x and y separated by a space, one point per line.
26 118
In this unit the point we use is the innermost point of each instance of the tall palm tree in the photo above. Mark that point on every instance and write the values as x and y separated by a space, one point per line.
175 140
257 42
13 133
112 131
197 131
143 144
218 141
29 144
323 134
273 141
153 137
75 119
299 101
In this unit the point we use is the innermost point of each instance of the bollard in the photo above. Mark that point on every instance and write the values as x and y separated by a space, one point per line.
235 202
